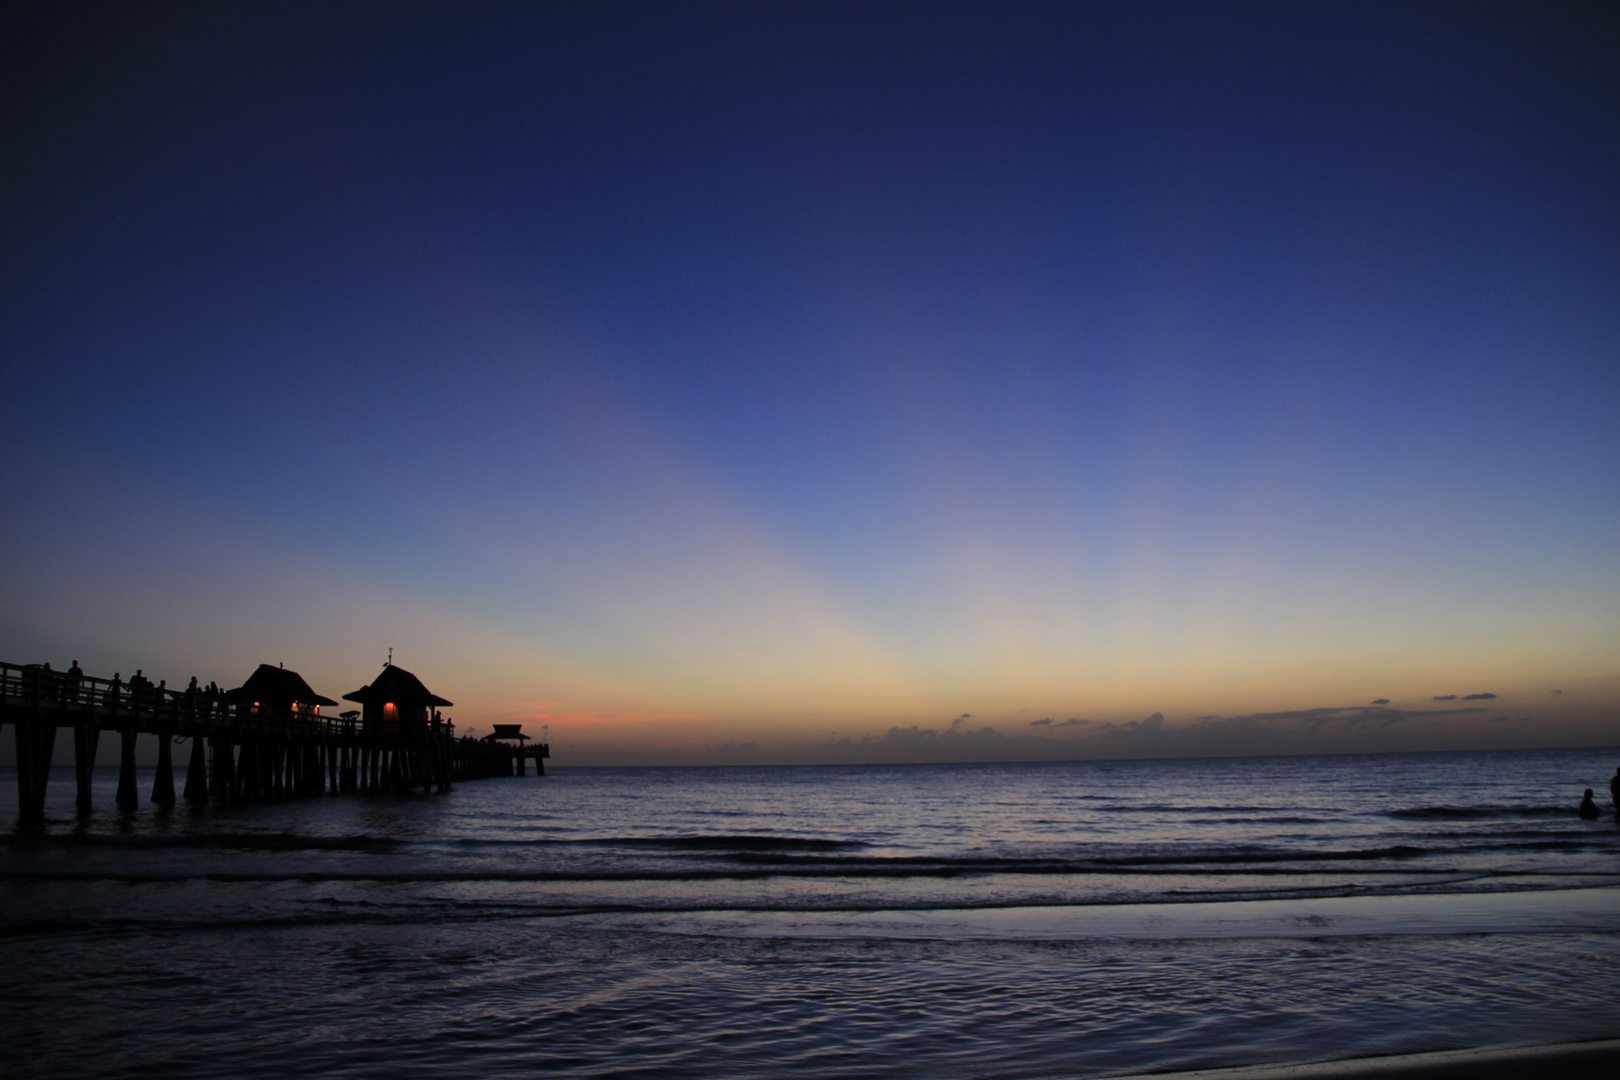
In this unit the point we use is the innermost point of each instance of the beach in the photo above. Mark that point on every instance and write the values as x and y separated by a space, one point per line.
1378 916
1571 1061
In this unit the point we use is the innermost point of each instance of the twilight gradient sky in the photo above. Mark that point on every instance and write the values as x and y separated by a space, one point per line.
819 382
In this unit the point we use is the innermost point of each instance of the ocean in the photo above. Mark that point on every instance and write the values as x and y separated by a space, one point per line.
1050 920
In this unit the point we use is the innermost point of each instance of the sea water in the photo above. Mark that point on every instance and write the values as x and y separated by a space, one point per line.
1031 920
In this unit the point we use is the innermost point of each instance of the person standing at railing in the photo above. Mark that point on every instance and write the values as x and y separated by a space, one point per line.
71 684
139 689
114 691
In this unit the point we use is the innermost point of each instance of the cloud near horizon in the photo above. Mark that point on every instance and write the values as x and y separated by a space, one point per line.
1006 736
1327 729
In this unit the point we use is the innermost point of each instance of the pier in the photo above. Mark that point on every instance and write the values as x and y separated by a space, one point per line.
239 750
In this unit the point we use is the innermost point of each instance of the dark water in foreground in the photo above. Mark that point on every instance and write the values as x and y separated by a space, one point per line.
1033 920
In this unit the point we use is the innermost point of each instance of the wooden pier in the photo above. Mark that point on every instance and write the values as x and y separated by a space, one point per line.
239 750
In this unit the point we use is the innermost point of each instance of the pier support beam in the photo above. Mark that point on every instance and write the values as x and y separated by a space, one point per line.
279 767
223 780
129 799
196 792
163 782
247 771
85 739
35 744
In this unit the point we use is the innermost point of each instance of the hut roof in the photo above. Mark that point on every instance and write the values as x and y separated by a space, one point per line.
278 687
507 731
397 685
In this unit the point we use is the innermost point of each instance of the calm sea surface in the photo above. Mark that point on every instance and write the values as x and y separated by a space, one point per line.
1032 920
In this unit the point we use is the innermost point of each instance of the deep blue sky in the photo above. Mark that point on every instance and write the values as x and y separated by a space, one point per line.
701 373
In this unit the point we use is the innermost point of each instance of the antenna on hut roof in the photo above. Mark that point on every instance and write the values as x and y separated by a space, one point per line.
390 662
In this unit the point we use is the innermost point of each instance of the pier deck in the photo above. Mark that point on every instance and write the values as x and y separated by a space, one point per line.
238 752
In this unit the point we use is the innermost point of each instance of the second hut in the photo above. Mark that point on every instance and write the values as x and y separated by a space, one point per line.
278 689
395 703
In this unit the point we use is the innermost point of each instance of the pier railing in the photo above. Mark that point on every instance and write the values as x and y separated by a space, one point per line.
152 706
241 751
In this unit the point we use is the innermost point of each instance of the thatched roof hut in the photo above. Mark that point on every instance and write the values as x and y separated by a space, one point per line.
395 702
278 688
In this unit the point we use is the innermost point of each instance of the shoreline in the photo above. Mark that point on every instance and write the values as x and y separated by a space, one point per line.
1599 1058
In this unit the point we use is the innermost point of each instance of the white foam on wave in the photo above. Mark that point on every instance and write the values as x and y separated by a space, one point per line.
1584 910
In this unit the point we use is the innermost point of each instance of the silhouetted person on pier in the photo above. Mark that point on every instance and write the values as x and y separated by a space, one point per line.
1589 808
139 689
191 697
115 691
71 682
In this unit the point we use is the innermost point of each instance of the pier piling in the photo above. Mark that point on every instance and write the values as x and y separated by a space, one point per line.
128 799
35 743
163 781
196 792
85 739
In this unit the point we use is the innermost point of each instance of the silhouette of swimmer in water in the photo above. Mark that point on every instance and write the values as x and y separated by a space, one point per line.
1588 807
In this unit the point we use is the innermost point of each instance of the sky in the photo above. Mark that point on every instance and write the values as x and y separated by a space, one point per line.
828 382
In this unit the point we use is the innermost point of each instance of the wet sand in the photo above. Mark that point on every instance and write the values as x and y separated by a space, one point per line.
1567 1061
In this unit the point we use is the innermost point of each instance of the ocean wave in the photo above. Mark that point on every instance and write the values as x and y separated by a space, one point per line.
287 842
1516 834
1140 808
1224 857
677 843
759 866
206 841
1467 813
1260 821
428 910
